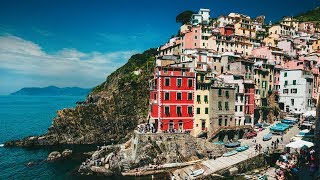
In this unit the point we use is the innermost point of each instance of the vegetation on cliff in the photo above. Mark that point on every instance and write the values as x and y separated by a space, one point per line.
110 112
312 15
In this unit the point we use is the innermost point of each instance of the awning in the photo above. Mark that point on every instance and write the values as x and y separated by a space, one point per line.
310 113
299 144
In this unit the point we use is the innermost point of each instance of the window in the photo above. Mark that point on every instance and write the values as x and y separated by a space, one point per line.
203 124
294 91
167 110
226 105
167 82
235 108
285 74
240 108
206 110
292 102
198 110
285 83
198 98
189 96
167 96
155 96
205 98
195 44
179 112
227 94
220 92
165 70
220 105
189 82
285 91
294 82
179 96
189 110
179 82
195 37
220 120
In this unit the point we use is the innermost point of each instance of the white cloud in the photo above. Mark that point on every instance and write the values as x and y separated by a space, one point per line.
68 67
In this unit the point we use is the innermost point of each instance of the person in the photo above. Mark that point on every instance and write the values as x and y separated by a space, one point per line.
214 157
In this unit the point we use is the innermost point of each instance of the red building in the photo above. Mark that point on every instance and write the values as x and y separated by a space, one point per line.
171 99
249 101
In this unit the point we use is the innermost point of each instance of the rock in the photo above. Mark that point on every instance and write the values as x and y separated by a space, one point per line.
31 163
66 152
233 171
101 170
55 155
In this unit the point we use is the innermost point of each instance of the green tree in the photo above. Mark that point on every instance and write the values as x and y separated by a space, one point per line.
184 17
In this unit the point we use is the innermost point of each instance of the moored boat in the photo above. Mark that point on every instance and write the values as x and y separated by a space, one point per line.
232 144
197 172
242 148
267 137
230 153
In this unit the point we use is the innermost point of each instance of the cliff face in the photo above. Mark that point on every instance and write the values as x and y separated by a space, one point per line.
111 111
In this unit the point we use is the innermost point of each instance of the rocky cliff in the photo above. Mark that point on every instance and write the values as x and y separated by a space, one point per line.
111 111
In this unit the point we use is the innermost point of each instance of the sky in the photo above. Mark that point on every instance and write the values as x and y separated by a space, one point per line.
80 42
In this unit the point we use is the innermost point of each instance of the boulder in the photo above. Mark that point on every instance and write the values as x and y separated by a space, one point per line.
233 171
54 156
66 152
101 170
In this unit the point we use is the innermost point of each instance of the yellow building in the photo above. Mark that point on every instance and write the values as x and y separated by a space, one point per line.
245 28
201 105
271 40
316 45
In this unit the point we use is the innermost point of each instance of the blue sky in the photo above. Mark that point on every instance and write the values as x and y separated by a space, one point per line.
78 43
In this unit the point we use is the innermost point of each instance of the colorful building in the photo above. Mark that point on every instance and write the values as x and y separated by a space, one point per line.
172 99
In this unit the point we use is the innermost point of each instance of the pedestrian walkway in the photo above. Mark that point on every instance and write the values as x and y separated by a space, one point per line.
212 166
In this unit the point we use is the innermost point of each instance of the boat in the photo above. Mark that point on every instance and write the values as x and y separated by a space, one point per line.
232 144
242 148
219 142
305 133
249 135
197 172
289 121
267 137
230 153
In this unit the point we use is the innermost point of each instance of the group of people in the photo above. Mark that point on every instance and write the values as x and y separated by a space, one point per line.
289 164
144 128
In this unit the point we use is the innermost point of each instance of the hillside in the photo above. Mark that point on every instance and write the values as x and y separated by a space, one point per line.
110 112
312 15
52 91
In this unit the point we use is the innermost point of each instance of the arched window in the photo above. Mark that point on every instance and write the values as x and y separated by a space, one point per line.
171 125
180 125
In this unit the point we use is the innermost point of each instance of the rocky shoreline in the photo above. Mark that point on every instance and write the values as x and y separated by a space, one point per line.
149 153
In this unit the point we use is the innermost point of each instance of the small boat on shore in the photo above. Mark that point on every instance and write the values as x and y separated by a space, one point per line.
232 144
242 148
197 172
267 137
219 142
230 153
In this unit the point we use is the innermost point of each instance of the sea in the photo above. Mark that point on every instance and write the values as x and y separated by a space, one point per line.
22 116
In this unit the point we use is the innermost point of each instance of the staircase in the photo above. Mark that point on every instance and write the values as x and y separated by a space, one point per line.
125 164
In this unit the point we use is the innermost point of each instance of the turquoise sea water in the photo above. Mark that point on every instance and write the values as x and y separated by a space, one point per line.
21 116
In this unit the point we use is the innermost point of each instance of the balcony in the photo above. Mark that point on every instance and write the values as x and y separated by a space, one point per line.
248 81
